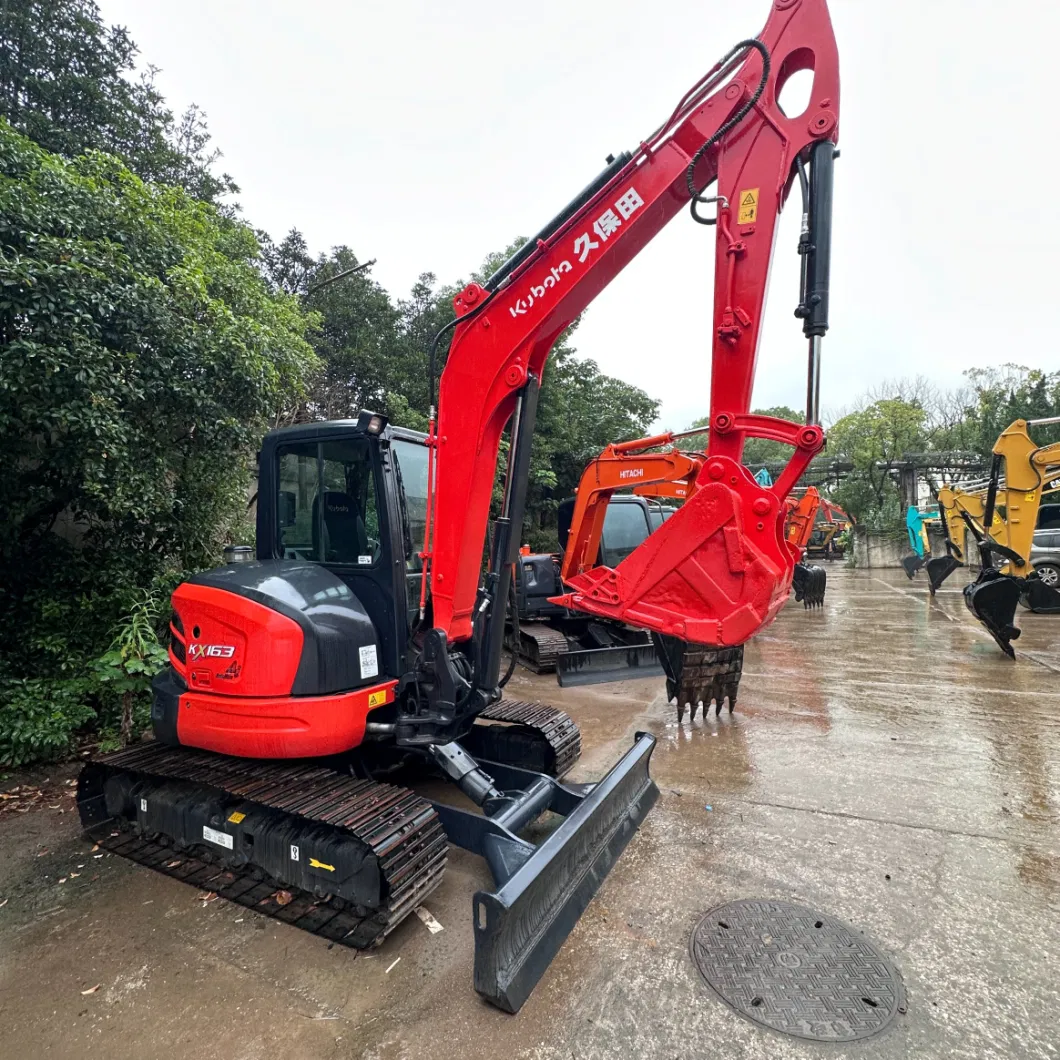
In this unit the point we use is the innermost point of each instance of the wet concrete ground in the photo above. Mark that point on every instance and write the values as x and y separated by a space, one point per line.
886 764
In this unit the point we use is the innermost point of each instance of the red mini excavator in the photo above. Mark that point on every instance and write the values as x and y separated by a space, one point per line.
363 645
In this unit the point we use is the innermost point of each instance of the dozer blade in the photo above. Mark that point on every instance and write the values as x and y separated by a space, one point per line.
992 598
596 666
1038 597
939 569
520 927
911 565
809 582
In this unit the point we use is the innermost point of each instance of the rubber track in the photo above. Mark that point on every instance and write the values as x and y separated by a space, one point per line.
401 828
553 725
539 647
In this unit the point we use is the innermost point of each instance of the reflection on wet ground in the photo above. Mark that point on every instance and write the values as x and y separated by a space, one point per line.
886 764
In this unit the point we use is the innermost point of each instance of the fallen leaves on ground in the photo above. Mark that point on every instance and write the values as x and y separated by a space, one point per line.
91 989
206 896
283 897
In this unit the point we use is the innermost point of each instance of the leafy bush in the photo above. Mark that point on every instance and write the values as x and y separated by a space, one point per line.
39 717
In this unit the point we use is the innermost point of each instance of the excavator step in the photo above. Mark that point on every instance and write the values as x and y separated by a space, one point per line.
535 737
344 858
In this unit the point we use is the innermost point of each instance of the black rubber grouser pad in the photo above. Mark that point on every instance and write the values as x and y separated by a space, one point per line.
793 970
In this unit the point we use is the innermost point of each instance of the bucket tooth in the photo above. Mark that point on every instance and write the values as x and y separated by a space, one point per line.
992 598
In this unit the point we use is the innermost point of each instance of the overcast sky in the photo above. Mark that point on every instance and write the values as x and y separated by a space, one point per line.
427 134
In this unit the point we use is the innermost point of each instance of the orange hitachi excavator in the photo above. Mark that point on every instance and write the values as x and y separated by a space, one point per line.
363 646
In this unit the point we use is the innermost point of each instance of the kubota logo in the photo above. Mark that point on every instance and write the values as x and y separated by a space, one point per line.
211 651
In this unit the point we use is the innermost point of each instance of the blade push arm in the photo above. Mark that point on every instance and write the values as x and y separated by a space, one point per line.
737 136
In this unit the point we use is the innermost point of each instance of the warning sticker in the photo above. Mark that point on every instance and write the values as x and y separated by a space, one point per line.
377 699
237 817
747 207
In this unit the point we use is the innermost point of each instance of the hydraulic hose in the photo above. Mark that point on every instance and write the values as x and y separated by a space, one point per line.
690 173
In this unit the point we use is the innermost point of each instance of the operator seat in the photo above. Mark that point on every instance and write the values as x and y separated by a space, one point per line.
345 537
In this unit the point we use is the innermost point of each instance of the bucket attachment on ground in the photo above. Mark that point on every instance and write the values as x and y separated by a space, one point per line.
992 598
696 673
543 890
808 581
1038 597
595 666
911 564
939 569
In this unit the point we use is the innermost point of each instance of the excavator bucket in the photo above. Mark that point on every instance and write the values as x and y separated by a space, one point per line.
542 891
1038 597
698 674
911 564
808 581
992 598
939 569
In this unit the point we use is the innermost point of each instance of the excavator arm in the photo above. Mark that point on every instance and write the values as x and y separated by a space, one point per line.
726 545
1007 578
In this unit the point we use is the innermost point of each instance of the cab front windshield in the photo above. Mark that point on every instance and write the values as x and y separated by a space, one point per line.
327 504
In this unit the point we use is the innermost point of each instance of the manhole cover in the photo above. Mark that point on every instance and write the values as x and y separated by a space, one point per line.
797 971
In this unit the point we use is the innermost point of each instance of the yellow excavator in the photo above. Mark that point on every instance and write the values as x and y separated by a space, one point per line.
1008 577
960 510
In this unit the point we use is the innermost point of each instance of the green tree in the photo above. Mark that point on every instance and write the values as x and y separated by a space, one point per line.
141 358
65 82
870 438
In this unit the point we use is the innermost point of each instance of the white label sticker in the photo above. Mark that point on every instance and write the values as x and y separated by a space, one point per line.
294 852
364 561
222 839
369 661
143 806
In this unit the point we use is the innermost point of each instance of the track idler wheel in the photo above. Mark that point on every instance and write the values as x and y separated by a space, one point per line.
1038 597
939 569
911 564
808 581
992 598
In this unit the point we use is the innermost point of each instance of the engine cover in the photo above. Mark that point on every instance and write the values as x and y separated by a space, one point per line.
273 628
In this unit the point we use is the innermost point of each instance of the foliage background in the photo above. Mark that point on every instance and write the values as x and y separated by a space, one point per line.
149 335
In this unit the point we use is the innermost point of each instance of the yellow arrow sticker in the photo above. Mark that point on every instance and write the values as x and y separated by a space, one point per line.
747 207
314 864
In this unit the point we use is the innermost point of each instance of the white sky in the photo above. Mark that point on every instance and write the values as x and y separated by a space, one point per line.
427 134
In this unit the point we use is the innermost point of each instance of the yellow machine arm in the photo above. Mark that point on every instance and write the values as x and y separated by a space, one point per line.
1007 578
